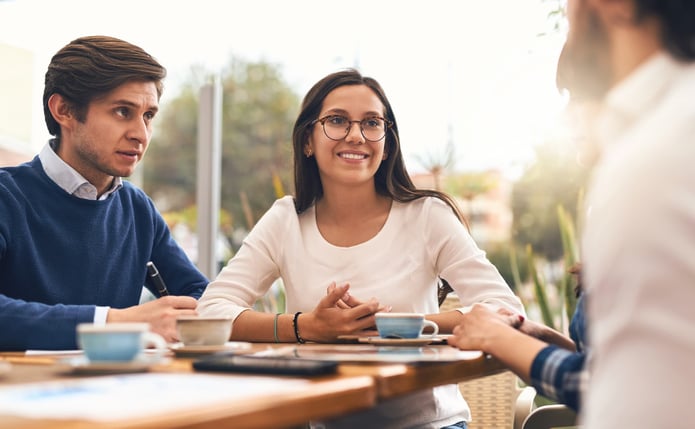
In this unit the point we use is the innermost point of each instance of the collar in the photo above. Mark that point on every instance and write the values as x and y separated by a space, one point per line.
635 95
69 179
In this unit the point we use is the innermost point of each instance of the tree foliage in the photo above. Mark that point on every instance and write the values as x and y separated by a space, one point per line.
471 184
554 179
258 111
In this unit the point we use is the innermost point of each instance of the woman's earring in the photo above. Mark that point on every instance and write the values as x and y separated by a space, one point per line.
308 153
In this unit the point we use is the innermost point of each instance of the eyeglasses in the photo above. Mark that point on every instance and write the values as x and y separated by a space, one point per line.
337 127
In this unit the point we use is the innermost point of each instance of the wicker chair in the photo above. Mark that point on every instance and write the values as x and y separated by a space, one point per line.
496 401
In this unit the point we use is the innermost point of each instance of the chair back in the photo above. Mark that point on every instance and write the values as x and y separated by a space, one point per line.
493 399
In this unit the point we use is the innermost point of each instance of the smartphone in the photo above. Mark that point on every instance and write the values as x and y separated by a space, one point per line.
265 365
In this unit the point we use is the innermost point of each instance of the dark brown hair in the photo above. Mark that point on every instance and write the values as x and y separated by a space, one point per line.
391 178
677 19
90 67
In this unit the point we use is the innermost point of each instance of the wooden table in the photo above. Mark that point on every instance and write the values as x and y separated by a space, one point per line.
357 386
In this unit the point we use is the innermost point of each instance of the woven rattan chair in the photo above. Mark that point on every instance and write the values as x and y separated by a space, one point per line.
496 401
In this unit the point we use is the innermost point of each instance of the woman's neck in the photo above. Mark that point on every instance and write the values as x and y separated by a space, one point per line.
351 203
351 218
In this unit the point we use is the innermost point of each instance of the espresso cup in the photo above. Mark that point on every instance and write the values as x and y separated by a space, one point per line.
203 331
118 342
403 325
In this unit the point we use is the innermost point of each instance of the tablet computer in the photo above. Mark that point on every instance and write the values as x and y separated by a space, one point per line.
265 365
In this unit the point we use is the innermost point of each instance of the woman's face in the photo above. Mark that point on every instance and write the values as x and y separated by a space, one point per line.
352 159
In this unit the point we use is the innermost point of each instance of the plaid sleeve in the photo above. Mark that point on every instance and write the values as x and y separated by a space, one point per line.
558 374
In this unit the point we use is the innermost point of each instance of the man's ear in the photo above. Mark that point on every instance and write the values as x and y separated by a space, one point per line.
60 109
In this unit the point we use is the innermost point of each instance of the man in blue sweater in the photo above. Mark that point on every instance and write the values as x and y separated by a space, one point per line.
74 237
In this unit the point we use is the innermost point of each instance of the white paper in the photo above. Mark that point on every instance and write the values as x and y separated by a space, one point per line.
52 352
135 395
36 352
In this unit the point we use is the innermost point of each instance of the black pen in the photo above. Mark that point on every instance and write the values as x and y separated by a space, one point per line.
156 279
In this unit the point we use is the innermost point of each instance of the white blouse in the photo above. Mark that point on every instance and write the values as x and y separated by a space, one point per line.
399 266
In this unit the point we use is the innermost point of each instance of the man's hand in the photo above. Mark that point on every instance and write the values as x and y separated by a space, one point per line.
161 314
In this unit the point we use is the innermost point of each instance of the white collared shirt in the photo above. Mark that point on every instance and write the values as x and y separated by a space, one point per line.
69 179
639 252
75 184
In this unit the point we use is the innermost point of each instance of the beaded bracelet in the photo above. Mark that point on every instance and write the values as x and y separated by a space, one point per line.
275 328
299 338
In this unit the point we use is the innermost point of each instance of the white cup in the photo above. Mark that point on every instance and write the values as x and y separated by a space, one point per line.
203 331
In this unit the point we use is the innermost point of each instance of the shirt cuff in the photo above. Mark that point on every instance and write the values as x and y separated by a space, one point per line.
100 314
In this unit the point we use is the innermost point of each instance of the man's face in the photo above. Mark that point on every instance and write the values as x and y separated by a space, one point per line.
585 62
114 135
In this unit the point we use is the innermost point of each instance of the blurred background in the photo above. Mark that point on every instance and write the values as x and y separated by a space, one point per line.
472 84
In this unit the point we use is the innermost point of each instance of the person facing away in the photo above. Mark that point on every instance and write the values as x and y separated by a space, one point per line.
638 57
357 238
74 237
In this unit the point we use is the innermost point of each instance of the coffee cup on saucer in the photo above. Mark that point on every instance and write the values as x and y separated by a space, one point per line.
118 342
404 325
203 331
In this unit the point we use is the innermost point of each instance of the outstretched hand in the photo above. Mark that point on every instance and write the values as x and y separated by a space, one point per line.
479 325
161 314
541 332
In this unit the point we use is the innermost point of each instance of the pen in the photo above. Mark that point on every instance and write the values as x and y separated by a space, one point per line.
156 279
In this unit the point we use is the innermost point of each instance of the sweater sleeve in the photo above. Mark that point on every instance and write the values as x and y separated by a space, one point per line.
26 324
32 325
180 275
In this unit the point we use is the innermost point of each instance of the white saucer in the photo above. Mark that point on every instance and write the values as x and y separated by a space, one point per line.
81 365
421 341
182 350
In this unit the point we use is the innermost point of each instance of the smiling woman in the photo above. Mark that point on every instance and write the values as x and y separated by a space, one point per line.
343 153
343 239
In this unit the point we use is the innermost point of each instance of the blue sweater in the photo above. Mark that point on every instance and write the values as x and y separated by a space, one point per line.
60 256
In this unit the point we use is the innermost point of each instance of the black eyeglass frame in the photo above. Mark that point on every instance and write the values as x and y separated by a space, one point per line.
388 124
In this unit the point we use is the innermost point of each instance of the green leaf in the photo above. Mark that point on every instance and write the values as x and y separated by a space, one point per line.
570 258
539 287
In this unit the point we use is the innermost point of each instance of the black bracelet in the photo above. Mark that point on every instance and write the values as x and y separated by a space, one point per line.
299 338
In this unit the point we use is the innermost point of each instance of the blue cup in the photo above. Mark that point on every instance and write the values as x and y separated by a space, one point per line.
404 325
117 342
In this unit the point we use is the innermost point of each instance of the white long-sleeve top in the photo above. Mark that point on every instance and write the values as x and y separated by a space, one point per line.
639 252
419 242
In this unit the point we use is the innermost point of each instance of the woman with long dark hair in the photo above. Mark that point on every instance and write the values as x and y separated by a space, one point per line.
358 237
